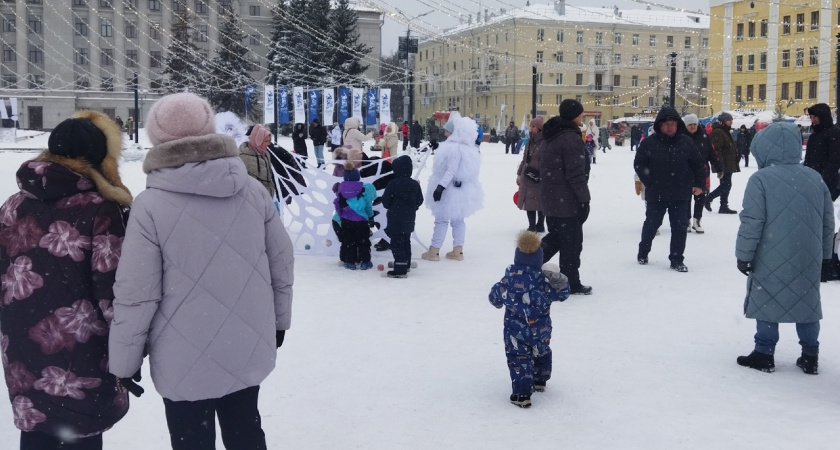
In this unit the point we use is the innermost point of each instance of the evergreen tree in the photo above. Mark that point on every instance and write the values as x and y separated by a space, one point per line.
299 44
347 51
393 77
321 49
279 58
184 64
229 75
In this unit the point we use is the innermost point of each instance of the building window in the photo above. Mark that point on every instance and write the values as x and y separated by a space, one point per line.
615 101
201 6
635 101
579 58
108 84
579 38
617 58
202 33
762 32
254 10
224 5
599 59
635 60
739 63
797 90
704 43
785 59
130 3
739 32
617 38
785 91
815 23
82 84
154 5
178 5
105 4
786 25
8 23
762 92
9 82
579 98
9 54
36 55
560 36
558 56
751 29
651 81
687 42
106 29
106 57
800 26
36 81
651 60
669 41
812 90
156 85
559 79
750 63
541 34
155 59
34 24
79 3
635 39
800 58
539 57
634 81
652 40
81 26
81 56
131 30
651 101
599 37
578 79
738 94
749 92
814 56
131 58
616 80
154 30
255 40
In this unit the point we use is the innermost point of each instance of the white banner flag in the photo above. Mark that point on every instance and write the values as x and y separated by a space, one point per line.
329 107
3 113
13 101
358 93
268 104
297 98
385 106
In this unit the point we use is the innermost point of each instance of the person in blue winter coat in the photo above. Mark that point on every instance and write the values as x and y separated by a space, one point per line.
402 198
526 293
354 206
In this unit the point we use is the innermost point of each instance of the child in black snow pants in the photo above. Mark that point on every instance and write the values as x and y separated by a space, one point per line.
354 206
402 198
526 292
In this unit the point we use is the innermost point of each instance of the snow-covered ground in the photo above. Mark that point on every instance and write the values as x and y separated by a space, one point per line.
646 362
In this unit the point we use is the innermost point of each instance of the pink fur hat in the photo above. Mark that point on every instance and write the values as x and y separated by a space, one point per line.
178 116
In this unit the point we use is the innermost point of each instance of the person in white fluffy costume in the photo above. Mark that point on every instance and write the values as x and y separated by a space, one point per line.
454 186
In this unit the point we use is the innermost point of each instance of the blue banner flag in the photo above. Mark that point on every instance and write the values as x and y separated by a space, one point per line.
250 90
343 104
283 104
372 103
314 104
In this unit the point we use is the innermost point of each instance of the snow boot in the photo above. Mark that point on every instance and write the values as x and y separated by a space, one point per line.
581 290
695 225
382 245
350 266
726 210
642 259
392 274
540 228
522 401
366 265
758 361
539 386
457 253
679 267
808 364
433 254
708 205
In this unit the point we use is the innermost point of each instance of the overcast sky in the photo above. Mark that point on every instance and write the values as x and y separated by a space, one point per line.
391 30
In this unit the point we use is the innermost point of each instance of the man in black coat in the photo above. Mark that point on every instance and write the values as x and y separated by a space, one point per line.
823 150
511 137
635 136
415 134
709 158
669 166
564 191
318 134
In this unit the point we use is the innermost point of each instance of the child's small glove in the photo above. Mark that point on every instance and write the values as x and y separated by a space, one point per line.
639 187
554 277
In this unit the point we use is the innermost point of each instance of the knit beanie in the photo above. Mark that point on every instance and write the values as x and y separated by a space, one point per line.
177 116
724 117
570 109
351 173
537 122
691 119
528 252
78 138
450 126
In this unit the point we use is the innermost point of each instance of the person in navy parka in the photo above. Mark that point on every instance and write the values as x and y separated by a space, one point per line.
526 294
402 197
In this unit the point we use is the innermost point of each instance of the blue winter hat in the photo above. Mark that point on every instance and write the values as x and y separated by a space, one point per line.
529 251
352 175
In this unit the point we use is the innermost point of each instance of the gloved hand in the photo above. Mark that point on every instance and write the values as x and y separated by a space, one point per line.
281 334
438 193
583 212
745 267
130 384
639 187
720 175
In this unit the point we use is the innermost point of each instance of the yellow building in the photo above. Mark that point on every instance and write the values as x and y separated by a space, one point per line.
616 62
773 54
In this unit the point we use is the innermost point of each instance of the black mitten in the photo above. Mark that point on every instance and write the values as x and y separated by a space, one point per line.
130 384
438 193
281 334
745 267
583 212
825 275
342 202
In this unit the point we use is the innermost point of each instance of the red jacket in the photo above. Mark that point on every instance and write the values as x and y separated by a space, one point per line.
404 129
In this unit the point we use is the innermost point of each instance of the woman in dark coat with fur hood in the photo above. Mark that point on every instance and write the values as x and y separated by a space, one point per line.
60 243
528 178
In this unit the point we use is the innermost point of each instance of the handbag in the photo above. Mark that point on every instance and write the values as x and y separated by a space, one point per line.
531 174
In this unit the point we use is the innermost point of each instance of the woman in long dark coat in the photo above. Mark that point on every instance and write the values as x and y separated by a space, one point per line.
528 178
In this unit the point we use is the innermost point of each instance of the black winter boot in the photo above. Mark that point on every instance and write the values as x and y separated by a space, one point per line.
522 401
758 361
808 364
726 210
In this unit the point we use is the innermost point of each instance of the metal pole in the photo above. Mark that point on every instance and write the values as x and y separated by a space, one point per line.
837 75
136 109
673 92
410 97
533 92
276 106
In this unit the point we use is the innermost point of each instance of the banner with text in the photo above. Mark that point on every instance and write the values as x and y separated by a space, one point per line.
357 102
268 103
329 106
297 98
343 104
372 101
314 105
283 104
249 93
385 106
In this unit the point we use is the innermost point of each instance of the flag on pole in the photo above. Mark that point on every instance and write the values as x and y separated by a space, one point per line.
297 98
372 101
249 91
385 106
283 104
343 104
329 106
357 102
268 103
314 105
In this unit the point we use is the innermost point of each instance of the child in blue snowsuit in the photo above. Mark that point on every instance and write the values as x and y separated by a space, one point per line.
526 294
354 208
402 197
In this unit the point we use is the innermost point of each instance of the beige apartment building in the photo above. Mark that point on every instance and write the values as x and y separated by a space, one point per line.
774 55
616 62
63 55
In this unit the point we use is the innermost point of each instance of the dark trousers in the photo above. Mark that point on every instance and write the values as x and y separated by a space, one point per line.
536 220
405 142
510 144
192 425
401 249
527 369
699 201
33 440
355 241
722 190
565 239
746 156
677 215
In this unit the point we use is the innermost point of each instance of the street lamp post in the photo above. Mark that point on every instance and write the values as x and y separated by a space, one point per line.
408 90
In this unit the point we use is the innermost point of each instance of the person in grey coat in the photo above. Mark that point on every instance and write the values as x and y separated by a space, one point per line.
205 280
787 230
604 139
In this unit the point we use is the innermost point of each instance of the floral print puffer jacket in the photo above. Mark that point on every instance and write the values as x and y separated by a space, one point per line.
60 243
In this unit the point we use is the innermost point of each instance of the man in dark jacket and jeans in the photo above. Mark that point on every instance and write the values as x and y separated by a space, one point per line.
670 167
823 150
727 153
564 191
511 137
318 134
